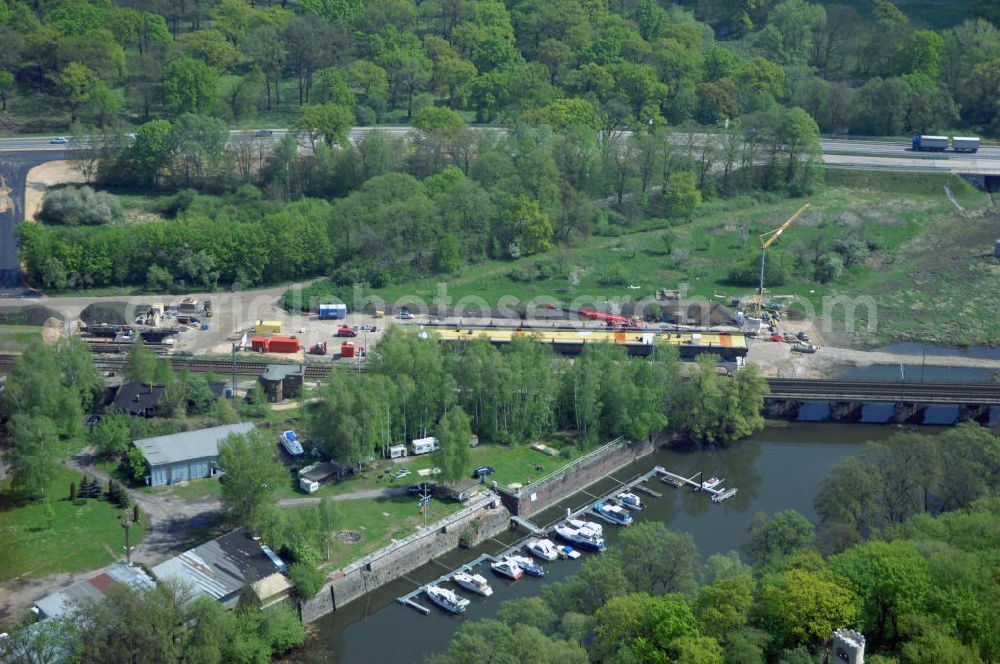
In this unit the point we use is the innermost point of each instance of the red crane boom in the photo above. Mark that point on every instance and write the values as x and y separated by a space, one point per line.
612 320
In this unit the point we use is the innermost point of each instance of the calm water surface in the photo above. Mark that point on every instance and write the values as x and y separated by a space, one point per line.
775 470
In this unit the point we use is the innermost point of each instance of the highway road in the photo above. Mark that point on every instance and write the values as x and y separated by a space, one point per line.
856 153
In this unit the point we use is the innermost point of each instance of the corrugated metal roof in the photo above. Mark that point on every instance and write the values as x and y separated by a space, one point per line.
187 445
221 567
93 589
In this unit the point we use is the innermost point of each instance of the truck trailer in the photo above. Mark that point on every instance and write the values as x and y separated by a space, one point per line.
926 143
965 143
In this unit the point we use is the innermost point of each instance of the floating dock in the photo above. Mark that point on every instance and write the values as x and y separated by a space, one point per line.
637 484
718 492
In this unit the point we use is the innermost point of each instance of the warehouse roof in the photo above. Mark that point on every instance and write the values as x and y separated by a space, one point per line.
222 567
187 445
64 601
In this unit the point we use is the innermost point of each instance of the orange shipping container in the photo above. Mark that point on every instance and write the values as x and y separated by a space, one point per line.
347 349
259 344
283 344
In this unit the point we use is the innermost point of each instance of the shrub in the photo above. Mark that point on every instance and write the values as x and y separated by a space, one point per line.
74 206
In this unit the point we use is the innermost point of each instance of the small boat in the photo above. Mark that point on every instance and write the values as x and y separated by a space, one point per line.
613 513
589 525
507 567
543 548
585 538
629 500
567 551
448 600
711 483
527 563
475 582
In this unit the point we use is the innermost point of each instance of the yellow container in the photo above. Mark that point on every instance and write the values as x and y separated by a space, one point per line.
267 327
379 313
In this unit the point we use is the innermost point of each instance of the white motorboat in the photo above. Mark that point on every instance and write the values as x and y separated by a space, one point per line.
448 600
566 551
711 483
543 548
475 582
584 538
613 513
589 525
507 567
630 500
527 563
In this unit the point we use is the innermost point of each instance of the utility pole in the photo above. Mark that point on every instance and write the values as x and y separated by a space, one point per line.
126 524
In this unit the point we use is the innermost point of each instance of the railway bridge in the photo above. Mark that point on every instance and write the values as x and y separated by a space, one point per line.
909 401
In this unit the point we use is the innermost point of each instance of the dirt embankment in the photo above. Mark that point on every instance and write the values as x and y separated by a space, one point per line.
40 178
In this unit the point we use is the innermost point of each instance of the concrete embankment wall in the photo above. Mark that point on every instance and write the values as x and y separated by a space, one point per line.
582 472
483 519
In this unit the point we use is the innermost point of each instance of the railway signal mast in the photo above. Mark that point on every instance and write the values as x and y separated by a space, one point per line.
766 240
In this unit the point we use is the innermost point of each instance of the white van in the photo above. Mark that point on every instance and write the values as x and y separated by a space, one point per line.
397 452
424 445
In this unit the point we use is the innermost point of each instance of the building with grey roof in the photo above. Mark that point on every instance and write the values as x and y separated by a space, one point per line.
188 455
227 566
65 601
282 381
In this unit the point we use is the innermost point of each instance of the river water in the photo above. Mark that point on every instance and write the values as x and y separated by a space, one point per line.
777 469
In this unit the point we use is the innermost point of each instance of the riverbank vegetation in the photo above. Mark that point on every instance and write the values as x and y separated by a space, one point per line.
520 393
919 587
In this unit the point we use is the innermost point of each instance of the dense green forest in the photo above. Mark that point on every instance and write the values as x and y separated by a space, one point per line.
863 67
603 107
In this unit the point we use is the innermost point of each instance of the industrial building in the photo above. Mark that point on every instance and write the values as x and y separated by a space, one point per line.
282 381
62 603
571 341
188 455
227 566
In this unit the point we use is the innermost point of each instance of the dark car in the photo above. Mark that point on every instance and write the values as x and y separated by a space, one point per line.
422 488
483 471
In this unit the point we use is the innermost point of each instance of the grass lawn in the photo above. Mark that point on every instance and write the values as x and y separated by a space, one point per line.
381 520
513 463
907 218
81 537
17 337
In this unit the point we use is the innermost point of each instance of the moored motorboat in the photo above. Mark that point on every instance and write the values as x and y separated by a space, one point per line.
475 582
507 567
711 483
589 525
528 564
583 537
448 600
629 500
543 548
613 513
566 551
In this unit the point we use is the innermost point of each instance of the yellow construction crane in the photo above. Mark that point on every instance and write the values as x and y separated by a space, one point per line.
766 240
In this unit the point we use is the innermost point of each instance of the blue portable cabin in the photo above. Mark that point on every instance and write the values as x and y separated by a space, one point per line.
332 311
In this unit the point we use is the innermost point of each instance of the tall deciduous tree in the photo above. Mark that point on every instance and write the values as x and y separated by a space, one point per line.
253 472
453 434
33 455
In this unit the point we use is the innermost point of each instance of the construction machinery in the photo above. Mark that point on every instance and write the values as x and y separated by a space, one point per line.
318 349
766 240
207 310
611 320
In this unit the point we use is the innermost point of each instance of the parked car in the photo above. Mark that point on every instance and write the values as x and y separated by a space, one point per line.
59 140
405 315
483 471
778 338
264 132
422 488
